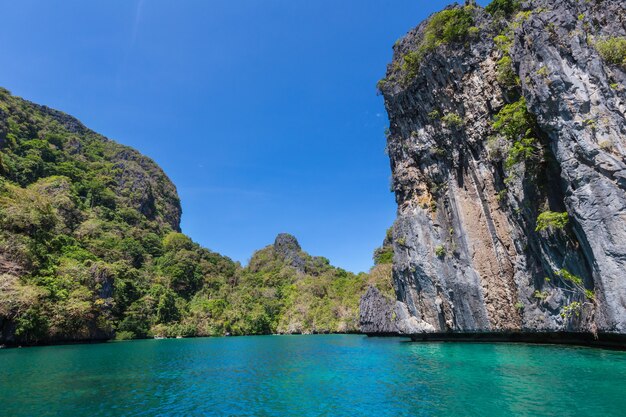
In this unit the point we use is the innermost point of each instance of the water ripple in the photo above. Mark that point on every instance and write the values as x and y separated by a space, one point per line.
310 376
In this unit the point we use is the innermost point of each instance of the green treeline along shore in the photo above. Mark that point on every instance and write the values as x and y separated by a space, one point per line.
91 249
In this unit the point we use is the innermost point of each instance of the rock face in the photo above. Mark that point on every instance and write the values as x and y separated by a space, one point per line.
507 146
380 315
376 313
288 249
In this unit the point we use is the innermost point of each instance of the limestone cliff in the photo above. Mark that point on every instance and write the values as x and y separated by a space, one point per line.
507 143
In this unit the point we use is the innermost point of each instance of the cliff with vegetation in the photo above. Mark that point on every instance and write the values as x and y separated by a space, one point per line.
507 143
91 249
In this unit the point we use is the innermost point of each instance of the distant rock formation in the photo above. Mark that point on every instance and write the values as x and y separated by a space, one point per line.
288 249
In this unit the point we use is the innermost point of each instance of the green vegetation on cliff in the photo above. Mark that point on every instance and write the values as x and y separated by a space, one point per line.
613 50
446 26
90 248
517 125
551 219
503 8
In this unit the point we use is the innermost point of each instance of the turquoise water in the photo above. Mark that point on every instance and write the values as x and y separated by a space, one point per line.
335 375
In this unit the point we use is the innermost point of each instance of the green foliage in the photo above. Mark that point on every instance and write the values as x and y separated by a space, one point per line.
612 50
522 150
506 75
503 8
452 120
381 84
520 17
575 286
447 26
543 71
174 242
503 43
434 115
26 211
381 277
182 267
383 255
606 145
576 283
516 124
124 335
552 220
166 310
440 251
32 325
571 310
411 63
513 120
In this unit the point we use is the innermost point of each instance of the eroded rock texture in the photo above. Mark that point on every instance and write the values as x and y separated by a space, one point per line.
467 255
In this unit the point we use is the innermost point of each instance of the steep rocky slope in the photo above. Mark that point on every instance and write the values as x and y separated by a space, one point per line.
507 143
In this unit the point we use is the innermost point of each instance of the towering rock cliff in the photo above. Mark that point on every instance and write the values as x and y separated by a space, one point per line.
507 143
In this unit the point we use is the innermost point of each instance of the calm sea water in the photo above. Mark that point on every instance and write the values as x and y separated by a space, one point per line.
331 375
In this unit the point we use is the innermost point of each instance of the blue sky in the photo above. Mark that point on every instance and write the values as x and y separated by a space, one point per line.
264 113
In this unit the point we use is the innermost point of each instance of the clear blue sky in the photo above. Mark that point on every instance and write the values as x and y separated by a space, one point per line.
263 113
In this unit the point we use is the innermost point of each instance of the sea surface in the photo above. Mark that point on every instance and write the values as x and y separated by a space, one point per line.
330 375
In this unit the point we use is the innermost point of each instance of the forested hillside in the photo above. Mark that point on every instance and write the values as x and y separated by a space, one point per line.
90 248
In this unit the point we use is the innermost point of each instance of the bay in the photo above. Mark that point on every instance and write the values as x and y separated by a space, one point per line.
316 375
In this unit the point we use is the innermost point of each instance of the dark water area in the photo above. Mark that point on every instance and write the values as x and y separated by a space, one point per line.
320 375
